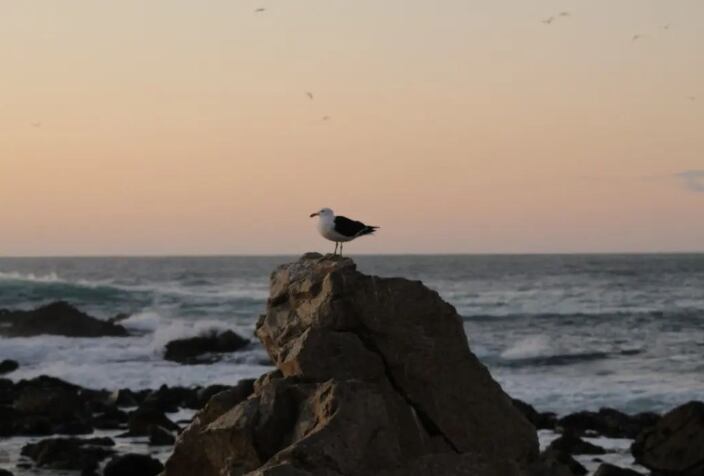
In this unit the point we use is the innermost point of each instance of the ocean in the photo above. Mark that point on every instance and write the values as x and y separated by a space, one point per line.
562 332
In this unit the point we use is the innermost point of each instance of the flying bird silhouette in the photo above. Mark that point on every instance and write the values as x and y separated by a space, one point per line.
692 98
666 27
564 14
636 37
310 95
36 124
325 118
548 20
260 10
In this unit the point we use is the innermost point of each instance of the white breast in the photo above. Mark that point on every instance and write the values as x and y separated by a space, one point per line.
326 227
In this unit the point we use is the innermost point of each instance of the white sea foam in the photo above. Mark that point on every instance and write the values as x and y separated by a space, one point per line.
529 347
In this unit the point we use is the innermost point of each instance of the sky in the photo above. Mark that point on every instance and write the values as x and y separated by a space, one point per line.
458 126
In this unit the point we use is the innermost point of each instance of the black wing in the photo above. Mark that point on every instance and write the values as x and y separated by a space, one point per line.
347 227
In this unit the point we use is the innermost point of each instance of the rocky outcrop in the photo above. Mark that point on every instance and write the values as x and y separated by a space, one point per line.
374 376
608 422
59 318
574 445
675 445
606 469
133 465
7 366
203 349
69 453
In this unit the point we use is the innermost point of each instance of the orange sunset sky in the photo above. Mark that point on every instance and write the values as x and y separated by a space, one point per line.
472 126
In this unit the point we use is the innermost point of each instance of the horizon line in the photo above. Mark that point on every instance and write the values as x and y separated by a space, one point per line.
418 254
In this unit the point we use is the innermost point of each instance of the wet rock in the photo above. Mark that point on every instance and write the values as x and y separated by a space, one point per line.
374 376
607 469
574 445
675 445
142 419
556 463
607 422
7 366
541 421
195 350
160 436
123 398
4 472
59 318
69 453
133 465
110 419
170 399
47 405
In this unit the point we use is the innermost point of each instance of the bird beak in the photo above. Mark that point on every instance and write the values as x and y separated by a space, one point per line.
314 214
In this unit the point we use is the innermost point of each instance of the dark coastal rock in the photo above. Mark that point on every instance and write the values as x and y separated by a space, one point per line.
607 422
123 398
607 469
110 419
556 463
47 405
203 395
7 366
675 445
142 419
4 472
541 421
160 436
69 453
194 350
574 445
374 376
170 399
59 318
133 465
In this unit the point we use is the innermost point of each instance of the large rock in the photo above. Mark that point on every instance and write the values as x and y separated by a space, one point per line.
606 469
675 445
133 464
608 422
7 366
58 318
203 349
69 453
374 376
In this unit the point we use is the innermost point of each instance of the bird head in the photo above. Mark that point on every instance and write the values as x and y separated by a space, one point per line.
322 213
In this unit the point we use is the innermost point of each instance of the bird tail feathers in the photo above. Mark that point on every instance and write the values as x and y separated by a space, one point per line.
368 230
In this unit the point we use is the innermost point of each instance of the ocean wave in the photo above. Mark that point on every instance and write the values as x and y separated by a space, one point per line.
573 317
233 289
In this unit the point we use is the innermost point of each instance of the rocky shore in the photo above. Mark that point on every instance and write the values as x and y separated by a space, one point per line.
373 376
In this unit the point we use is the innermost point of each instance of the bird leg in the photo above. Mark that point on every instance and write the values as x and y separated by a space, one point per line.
335 252
340 249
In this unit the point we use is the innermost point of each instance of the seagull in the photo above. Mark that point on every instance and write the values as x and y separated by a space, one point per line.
564 14
36 124
260 10
549 20
310 95
666 27
325 118
636 37
692 98
340 229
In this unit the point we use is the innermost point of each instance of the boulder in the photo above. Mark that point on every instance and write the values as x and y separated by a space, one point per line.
374 376
607 422
69 453
133 464
160 436
607 469
555 463
143 418
7 366
201 349
675 445
59 318
541 421
4 472
47 405
574 445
